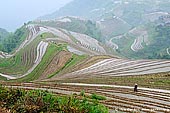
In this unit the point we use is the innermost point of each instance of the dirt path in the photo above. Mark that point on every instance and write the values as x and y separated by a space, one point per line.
116 86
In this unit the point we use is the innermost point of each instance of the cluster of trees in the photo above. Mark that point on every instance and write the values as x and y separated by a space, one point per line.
93 31
3 35
13 40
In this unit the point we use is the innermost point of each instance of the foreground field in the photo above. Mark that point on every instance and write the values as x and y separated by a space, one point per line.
36 101
118 98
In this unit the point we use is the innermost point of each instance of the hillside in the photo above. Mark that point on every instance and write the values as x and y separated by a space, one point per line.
44 46
11 41
74 24
3 34
94 50
134 12
127 26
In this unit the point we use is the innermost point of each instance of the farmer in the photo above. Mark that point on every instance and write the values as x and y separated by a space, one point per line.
136 88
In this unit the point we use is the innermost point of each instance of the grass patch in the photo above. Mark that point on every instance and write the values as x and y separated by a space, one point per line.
3 78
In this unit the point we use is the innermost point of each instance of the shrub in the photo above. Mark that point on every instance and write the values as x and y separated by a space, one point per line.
97 97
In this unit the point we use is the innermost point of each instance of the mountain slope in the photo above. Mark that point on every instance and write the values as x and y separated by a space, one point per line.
41 46
13 40
131 11
3 35
127 26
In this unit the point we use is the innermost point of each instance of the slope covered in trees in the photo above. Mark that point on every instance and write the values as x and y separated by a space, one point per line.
13 40
3 34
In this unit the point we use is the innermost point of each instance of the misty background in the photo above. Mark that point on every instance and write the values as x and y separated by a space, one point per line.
13 13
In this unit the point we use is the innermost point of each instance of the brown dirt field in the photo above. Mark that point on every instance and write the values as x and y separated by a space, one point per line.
57 63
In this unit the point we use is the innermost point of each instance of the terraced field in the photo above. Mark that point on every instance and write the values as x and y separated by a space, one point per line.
87 45
44 57
118 98
137 45
142 37
121 67
154 16
32 50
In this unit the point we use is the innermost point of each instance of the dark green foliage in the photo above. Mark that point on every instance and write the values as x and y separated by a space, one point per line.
36 101
3 34
97 97
82 93
13 40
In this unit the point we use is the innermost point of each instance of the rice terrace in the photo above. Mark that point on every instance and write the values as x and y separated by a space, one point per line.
111 57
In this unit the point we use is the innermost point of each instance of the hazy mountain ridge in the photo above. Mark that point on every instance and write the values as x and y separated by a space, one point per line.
126 26
79 8
98 9
129 20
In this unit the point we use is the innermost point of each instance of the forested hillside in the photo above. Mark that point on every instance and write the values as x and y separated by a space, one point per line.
3 34
10 41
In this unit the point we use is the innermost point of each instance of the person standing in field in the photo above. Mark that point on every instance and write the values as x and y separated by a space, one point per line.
136 88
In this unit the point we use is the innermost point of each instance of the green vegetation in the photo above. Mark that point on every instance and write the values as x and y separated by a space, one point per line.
36 101
12 41
97 97
2 78
3 34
